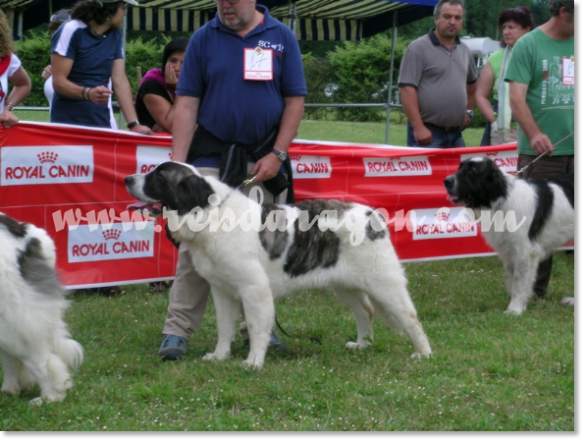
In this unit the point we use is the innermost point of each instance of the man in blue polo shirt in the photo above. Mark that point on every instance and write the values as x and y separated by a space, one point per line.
240 100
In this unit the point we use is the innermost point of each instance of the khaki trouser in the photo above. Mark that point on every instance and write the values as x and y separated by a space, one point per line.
189 292
546 167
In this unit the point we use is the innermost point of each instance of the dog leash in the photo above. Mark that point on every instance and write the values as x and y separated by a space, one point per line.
543 154
246 182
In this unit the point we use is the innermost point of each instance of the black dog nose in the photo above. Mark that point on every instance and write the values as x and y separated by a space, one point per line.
129 179
449 181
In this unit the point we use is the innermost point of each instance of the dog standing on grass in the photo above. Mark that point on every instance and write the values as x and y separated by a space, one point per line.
255 265
35 346
543 214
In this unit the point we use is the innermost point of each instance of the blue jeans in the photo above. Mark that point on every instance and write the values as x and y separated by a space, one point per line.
440 138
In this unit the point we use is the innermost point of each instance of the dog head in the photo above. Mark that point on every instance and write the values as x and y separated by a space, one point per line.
176 186
477 183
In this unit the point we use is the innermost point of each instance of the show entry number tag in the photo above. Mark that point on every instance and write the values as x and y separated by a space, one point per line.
258 64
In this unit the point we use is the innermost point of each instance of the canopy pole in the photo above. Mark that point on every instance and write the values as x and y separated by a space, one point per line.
124 31
391 79
292 16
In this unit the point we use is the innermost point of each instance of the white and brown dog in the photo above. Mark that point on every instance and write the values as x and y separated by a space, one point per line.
253 254
35 345
542 212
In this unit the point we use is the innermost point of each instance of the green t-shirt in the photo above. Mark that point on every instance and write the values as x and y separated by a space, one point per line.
495 62
547 66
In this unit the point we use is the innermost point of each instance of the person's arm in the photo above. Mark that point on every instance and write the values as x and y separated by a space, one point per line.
483 92
21 88
268 166
471 88
123 91
161 110
539 141
184 125
61 67
409 98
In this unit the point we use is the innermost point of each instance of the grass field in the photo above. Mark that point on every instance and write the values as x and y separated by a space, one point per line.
489 371
328 130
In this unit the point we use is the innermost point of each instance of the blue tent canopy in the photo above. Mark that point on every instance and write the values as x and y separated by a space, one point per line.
310 19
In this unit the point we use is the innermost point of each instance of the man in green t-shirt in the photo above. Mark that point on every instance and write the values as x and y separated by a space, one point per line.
541 73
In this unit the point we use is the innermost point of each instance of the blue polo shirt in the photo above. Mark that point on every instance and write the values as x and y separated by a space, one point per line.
233 109
93 58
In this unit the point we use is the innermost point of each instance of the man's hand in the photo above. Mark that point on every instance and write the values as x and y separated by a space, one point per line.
99 94
8 119
466 121
422 135
142 129
541 143
47 72
266 168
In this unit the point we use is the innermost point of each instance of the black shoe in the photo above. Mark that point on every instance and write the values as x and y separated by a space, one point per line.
172 348
274 344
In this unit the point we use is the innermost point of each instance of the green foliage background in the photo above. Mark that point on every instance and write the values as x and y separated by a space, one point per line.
350 72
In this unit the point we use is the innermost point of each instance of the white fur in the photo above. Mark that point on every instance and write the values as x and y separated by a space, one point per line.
35 345
521 255
368 278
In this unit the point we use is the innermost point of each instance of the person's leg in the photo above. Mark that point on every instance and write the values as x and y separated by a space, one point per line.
187 301
275 342
456 139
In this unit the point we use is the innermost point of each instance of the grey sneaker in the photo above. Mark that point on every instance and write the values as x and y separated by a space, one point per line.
172 348
274 344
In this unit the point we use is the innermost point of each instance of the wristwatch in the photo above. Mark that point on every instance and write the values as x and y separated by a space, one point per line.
470 113
133 124
282 156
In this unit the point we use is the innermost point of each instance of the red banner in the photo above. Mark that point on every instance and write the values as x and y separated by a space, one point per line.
70 181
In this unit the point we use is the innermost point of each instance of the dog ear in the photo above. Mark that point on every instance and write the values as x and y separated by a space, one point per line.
192 192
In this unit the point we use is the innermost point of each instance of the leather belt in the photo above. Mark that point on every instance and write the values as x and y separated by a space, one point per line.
442 129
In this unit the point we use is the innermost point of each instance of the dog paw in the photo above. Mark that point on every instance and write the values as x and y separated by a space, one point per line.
210 357
36 402
569 300
11 389
418 356
513 312
358 345
252 364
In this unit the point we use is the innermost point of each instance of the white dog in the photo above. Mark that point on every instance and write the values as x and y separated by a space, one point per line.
35 345
253 265
543 211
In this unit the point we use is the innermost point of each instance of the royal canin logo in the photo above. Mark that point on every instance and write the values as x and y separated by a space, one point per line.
441 223
309 166
111 234
506 160
39 165
48 157
148 157
442 215
405 166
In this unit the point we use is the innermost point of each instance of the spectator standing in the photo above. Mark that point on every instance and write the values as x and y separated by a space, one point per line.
157 90
241 92
437 82
541 73
11 71
514 23
86 52
56 20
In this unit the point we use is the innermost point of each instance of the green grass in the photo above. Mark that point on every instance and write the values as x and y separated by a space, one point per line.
329 130
489 371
